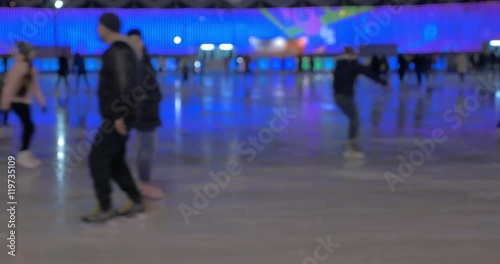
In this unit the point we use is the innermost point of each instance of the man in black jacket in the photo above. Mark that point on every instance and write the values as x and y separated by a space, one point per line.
148 119
118 78
345 74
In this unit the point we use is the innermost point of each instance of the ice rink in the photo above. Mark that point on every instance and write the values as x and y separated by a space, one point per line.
289 196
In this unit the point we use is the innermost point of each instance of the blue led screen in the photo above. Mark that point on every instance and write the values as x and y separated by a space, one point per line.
423 29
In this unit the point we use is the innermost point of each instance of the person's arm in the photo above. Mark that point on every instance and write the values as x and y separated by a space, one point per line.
12 83
119 61
36 89
368 73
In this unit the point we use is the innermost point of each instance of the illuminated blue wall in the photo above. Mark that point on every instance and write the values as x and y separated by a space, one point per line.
428 28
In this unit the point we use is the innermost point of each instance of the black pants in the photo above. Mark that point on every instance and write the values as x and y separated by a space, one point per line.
65 77
24 113
401 74
84 75
419 76
107 162
462 76
349 108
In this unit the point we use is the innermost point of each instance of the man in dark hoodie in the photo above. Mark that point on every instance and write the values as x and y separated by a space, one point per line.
148 119
346 72
118 79
403 67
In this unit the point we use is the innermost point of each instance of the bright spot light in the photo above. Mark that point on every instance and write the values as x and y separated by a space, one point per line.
197 64
58 4
207 47
495 43
60 155
239 60
226 46
60 142
177 40
279 42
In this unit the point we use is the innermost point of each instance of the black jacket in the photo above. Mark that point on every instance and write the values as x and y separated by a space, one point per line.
117 79
148 111
346 72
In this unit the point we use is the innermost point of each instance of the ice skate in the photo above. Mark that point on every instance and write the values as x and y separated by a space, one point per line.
131 209
26 159
98 216
151 192
352 151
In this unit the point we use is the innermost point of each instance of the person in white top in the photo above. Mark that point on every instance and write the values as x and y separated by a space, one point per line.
463 64
20 84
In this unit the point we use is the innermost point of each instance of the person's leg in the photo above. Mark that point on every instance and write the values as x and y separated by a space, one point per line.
66 83
104 149
77 86
57 83
86 82
122 176
145 156
25 157
24 113
419 77
145 152
349 108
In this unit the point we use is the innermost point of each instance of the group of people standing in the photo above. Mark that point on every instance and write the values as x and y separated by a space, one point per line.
129 98
78 68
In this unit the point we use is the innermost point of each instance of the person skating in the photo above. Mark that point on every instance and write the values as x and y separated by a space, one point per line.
375 65
345 74
184 68
419 62
403 68
462 62
79 62
148 119
63 72
20 84
118 77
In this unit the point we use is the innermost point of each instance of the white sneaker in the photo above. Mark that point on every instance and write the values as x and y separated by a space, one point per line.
26 159
354 154
34 160
353 151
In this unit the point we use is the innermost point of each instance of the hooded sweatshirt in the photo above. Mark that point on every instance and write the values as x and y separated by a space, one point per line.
346 72
118 79
20 84
148 112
